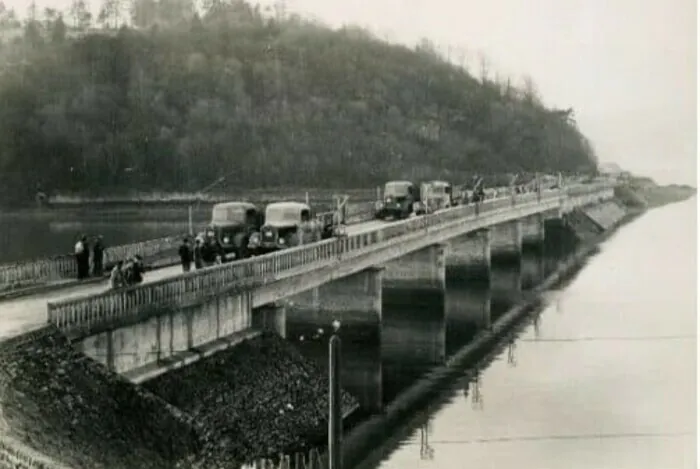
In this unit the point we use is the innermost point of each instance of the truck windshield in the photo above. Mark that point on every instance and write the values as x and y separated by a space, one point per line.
282 215
226 214
396 189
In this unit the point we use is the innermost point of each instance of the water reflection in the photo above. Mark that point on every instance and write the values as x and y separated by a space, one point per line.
601 377
467 311
506 289
413 337
361 372
426 451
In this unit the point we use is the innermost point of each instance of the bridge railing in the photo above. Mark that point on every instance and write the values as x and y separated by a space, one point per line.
78 313
17 275
22 274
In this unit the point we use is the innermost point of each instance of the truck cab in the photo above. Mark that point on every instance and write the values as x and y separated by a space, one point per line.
287 224
398 200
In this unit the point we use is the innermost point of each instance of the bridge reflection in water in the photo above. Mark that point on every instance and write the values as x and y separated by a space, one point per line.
419 328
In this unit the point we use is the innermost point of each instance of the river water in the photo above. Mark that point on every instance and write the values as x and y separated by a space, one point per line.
604 378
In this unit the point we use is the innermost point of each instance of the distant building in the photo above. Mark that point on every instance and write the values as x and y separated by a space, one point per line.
610 169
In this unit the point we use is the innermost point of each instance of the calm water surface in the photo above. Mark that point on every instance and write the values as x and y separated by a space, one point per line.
33 235
605 379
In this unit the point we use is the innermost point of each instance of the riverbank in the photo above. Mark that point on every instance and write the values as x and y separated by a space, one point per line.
261 398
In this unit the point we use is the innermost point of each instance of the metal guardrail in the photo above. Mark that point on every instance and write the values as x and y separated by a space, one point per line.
120 304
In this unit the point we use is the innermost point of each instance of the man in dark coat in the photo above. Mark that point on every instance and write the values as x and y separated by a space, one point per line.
198 262
185 253
82 257
98 251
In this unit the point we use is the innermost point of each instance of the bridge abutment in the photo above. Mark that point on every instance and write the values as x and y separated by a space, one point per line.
170 338
506 243
468 259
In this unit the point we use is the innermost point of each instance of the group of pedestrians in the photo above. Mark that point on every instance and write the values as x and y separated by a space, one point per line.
127 273
84 251
124 273
206 252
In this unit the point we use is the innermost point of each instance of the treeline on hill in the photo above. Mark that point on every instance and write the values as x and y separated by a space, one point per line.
183 95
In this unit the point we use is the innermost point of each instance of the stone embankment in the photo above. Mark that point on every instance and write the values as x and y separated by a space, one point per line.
259 399
61 403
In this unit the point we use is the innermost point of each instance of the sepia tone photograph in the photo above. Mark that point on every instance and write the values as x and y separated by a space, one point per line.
314 234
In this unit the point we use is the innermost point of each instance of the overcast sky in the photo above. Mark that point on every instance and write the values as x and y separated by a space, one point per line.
627 67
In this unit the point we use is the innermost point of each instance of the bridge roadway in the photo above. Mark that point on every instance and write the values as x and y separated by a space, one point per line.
27 313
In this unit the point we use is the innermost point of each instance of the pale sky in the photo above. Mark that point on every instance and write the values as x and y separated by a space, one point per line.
627 67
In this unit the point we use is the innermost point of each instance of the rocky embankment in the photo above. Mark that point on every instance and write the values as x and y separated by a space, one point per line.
66 406
645 193
261 398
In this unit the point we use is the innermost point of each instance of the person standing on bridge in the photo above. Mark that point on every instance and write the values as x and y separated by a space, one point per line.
98 252
82 257
185 253
198 262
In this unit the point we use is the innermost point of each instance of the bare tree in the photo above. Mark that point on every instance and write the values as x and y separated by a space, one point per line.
484 67
80 14
110 13
530 92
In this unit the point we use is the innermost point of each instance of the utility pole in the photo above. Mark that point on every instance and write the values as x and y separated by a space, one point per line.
199 194
335 415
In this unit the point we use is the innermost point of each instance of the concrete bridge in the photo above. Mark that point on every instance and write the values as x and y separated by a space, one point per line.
146 330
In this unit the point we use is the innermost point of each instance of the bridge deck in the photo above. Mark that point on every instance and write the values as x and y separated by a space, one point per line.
26 313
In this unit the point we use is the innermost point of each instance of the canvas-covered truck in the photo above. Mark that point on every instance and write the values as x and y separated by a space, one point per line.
398 200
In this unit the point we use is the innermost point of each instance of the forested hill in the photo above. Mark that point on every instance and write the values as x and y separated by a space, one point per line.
181 100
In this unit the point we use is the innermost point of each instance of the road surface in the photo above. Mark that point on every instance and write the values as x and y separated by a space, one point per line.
30 312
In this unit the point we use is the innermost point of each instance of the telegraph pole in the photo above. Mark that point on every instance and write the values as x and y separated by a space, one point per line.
335 416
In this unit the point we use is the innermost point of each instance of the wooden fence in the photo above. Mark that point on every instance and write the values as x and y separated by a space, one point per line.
312 459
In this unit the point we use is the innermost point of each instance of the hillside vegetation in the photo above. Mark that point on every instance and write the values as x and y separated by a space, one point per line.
177 99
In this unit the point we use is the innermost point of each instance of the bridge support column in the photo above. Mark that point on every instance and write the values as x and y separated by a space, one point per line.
271 317
506 243
414 308
468 259
355 298
533 233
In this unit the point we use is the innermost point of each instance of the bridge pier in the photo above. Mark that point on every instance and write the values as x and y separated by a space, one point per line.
506 243
356 298
413 329
271 317
468 259
533 233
